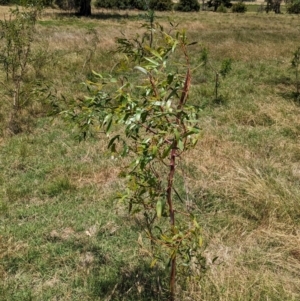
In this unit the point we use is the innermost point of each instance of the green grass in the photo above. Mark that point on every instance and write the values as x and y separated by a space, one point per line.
63 235
258 8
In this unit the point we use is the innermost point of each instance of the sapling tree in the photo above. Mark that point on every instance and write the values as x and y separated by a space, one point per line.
148 101
223 71
273 5
188 5
16 37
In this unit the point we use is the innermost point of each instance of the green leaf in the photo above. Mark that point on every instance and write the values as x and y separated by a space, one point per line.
143 70
159 229
97 74
159 208
152 61
191 131
111 142
155 53
180 145
107 120
174 46
166 152
177 135
125 150
108 126
194 141
168 104
170 78
154 150
138 116
214 259
196 225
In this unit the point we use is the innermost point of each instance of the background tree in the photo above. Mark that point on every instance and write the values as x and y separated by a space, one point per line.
122 4
85 8
188 5
161 5
273 5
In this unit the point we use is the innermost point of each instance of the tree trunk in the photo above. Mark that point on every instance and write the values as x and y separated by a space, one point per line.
85 8
277 7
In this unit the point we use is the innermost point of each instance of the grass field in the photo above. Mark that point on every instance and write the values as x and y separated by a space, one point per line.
62 234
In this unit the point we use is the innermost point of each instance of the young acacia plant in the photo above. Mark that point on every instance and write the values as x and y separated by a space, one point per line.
147 100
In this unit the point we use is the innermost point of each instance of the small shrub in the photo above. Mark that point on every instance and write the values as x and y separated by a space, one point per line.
293 7
217 3
222 9
239 7
223 71
161 5
188 5
10 2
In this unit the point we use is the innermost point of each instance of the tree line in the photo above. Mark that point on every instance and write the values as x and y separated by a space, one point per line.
84 7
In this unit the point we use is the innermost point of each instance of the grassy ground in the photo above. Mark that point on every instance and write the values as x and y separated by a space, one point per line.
62 235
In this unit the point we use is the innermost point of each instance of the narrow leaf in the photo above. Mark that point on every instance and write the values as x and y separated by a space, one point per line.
159 208
180 145
166 152
152 61
141 69
112 140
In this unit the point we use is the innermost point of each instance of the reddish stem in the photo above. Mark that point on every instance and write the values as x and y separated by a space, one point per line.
172 217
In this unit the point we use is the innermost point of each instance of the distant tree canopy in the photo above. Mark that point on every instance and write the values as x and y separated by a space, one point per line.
121 4
216 3
161 5
188 5
85 8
